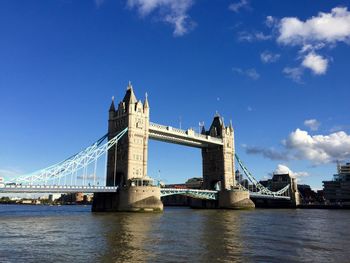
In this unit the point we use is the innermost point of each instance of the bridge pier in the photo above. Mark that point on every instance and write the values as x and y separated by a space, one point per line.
227 199
235 199
129 199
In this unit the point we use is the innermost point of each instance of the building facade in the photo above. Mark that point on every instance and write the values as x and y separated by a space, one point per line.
338 190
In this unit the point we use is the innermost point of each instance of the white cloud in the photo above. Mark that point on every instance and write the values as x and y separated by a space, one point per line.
300 145
270 21
269 57
235 7
169 11
262 36
312 124
326 27
319 148
283 169
251 73
250 37
314 33
316 63
293 73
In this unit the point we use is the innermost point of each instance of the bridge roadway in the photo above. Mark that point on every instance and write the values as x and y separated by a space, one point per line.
174 135
56 189
196 193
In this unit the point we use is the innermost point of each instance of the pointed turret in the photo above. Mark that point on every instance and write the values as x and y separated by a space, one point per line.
112 108
217 126
203 130
146 105
129 97
231 126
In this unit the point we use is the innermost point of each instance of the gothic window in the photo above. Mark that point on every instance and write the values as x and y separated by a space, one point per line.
139 124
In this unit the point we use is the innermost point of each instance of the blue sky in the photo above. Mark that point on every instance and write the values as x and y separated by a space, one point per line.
278 69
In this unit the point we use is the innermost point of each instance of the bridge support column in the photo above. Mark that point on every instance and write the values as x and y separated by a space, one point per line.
235 199
129 199
140 199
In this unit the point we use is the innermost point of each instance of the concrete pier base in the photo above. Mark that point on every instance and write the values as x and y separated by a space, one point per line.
129 199
228 199
235 199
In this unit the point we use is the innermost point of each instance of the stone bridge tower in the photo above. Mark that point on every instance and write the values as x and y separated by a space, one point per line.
132 149
218 161
219 168
127 163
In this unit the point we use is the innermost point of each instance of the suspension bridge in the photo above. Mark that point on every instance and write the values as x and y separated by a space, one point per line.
63 177
114 167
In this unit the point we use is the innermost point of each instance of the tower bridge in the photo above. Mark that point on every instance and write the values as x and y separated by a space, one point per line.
128 186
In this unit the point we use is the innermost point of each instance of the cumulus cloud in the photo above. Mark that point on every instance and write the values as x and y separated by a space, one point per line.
311 35
319 148
326 27
251 73
169 11
312 124
283 169
316 63
269 57
300 145
237 6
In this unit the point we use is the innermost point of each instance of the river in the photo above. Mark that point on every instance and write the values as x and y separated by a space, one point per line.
74 234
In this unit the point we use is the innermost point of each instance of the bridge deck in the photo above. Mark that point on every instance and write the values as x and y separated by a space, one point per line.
190 137
56 189
203 194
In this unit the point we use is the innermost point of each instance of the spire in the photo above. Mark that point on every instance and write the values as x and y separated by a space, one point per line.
130 97
112 108
145 105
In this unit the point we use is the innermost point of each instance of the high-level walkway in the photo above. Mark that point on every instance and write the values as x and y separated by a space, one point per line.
184 137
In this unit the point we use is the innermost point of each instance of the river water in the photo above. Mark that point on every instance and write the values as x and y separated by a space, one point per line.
74 234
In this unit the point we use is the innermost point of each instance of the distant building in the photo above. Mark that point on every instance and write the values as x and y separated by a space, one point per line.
238 176
338 190
72 198
309 196
194 183
279 181
181 200
178 186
